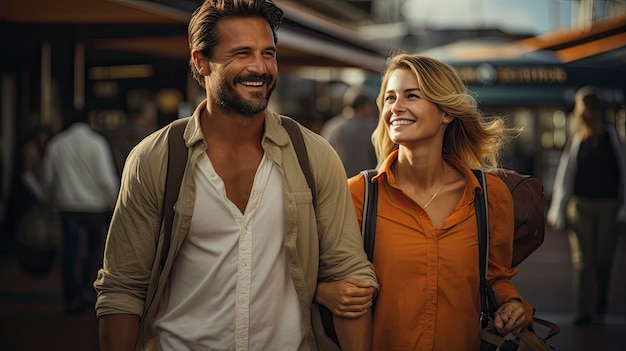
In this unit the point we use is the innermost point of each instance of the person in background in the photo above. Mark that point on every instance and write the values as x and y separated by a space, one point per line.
140 124
248 245
26 190
2 190
80 182
350 132
429 136
589 198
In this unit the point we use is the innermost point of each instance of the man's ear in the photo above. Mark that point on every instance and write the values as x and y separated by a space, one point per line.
202 64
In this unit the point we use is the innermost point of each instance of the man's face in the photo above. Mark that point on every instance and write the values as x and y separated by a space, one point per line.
243 67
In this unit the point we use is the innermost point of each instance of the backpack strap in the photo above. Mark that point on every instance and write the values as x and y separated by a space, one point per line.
488 303
370 208
176 161
295 134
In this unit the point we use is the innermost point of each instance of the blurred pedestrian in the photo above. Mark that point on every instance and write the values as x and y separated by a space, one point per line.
26 189
81 183
589 198
141 122
248 242
350 132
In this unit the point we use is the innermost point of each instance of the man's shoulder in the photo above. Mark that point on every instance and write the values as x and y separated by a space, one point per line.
66 136
312 139
155 142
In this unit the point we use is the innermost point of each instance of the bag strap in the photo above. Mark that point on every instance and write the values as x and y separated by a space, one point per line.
370 207
303 158
488 303
553 328
176 161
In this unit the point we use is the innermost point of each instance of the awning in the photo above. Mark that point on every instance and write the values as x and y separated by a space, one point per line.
602 45
304 39
492 50
88 12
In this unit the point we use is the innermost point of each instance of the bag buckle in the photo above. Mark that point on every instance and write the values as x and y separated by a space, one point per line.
484 320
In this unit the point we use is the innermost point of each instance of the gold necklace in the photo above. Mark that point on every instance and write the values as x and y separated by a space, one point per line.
444 180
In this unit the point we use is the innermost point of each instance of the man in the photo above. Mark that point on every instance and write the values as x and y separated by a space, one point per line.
141 122
350 133
247 246
80 181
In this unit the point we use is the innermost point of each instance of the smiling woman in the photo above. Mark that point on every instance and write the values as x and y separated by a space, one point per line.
429 135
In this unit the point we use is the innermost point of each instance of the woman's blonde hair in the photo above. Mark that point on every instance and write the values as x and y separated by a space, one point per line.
471 137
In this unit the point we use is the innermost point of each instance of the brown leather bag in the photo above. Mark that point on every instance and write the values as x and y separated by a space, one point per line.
528 203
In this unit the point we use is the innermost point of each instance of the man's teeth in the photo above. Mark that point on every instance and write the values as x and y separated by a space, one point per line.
254 84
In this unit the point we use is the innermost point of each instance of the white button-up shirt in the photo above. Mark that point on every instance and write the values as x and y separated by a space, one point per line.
230 287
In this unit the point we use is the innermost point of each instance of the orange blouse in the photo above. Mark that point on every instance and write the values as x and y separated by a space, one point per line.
429 278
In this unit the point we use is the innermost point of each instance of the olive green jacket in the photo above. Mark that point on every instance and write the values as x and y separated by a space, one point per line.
323 246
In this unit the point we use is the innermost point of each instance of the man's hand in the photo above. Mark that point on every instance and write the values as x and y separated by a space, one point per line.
347 298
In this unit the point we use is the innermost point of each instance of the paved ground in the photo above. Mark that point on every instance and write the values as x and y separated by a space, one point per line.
32 316
545 279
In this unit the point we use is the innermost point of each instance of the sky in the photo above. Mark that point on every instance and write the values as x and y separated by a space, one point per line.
525 16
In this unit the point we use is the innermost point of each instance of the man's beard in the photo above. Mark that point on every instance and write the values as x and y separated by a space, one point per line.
227 98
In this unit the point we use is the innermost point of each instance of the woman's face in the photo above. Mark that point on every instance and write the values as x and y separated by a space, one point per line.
409 116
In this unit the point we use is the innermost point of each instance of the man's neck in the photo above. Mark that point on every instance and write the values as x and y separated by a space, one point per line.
232 129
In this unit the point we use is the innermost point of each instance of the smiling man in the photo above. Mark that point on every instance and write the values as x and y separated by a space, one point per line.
248 247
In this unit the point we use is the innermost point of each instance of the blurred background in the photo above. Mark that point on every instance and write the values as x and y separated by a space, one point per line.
521 59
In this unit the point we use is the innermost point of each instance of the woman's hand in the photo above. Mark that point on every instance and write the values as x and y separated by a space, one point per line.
347 298
511 317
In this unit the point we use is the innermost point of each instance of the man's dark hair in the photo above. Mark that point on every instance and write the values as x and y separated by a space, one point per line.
361 100
202 35
77 116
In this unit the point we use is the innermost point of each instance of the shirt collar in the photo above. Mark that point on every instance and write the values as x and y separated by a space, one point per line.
193 131
472 183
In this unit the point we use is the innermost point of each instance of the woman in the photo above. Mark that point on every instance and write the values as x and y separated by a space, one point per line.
589 196
429 136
